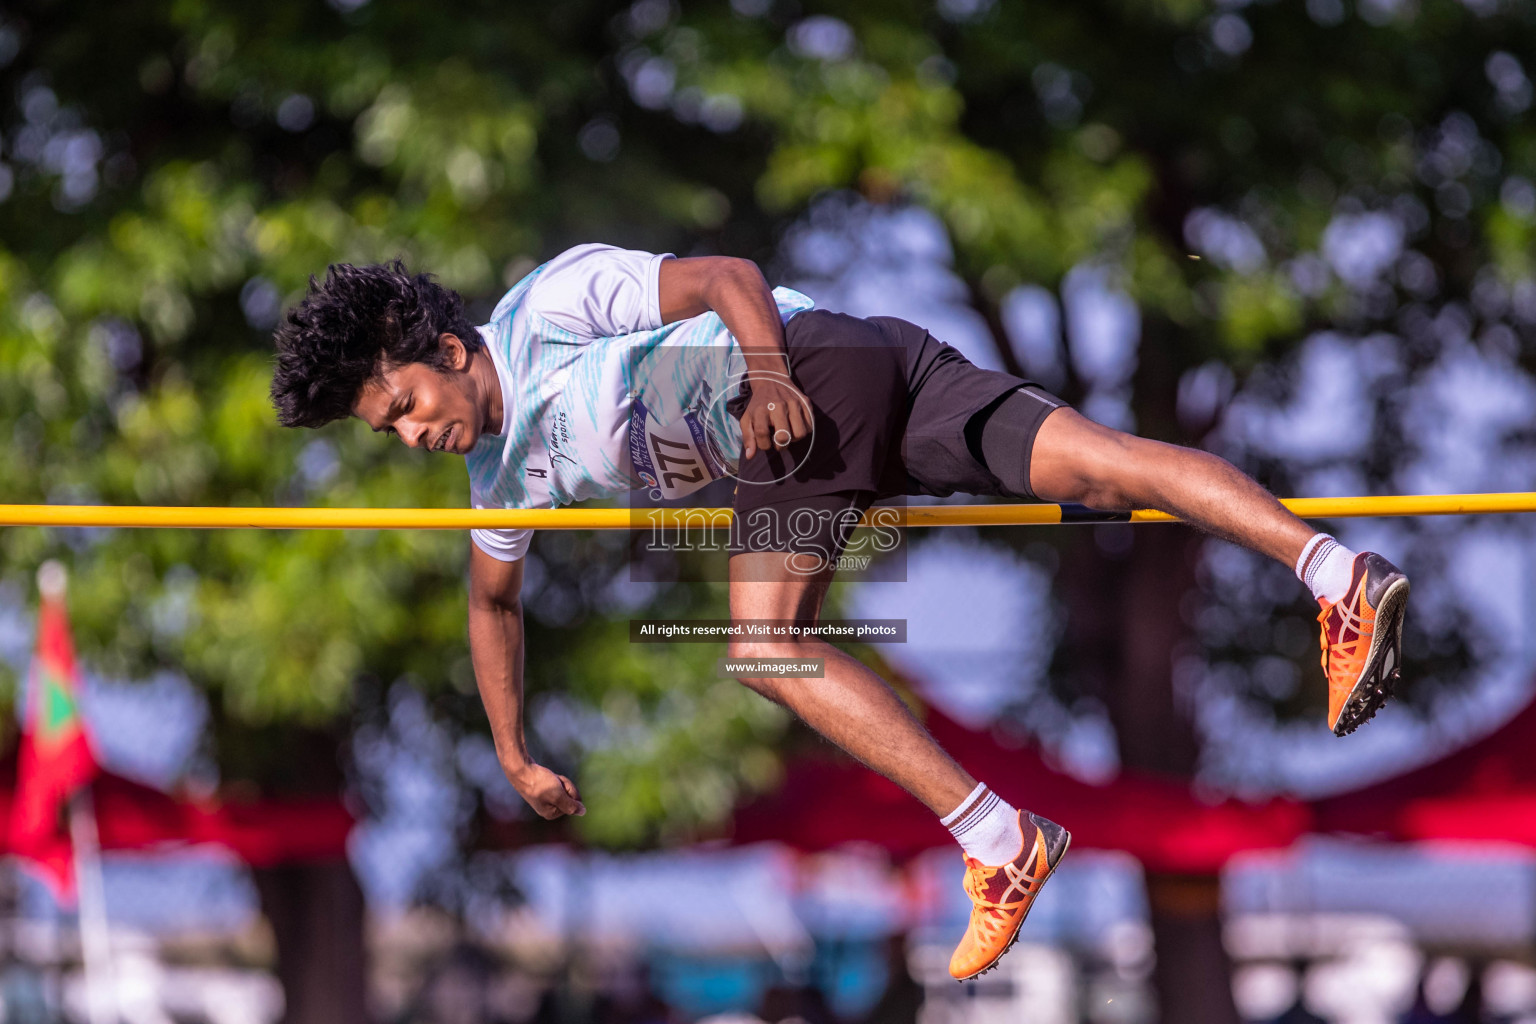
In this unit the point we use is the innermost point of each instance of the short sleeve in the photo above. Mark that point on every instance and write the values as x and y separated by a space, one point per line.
503 545
600 291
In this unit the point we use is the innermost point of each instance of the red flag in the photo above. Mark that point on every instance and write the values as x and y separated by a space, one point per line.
56 756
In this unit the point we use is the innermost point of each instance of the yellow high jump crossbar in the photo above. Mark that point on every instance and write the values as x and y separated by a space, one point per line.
171 517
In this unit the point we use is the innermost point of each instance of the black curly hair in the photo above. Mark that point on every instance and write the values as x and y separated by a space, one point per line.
350 329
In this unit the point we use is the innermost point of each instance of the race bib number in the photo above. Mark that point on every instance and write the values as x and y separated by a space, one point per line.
671 459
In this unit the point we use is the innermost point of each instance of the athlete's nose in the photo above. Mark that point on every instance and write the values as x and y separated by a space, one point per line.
414 436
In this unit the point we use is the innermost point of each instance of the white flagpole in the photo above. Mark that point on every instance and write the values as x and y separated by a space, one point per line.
96 951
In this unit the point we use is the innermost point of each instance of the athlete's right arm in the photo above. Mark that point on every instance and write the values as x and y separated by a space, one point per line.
496 648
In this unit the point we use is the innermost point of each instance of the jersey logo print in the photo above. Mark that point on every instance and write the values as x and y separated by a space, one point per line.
560 439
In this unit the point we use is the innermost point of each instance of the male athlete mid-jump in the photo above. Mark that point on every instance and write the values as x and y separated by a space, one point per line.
608 369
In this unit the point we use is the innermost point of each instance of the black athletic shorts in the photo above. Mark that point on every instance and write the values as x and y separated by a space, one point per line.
893 410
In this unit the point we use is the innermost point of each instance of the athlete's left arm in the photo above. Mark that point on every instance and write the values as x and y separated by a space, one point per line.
736 290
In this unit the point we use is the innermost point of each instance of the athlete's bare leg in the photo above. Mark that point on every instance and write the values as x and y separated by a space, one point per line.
852 706
1076 459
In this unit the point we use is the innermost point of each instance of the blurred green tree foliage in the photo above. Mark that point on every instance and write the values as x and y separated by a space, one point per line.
173 172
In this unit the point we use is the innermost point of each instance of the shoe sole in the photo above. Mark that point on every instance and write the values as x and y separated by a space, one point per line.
993 965
1383 667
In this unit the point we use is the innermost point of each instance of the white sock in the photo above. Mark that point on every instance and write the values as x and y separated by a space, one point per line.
1326 567
986 827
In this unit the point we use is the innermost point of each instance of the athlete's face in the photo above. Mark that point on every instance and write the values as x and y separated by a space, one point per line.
439 410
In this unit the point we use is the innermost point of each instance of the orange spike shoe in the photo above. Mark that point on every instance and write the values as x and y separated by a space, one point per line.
1001 896
1362 640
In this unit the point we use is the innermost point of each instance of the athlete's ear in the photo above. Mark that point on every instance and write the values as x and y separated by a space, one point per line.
455 352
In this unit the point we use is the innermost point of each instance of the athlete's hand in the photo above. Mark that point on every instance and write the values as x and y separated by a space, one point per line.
550 795
776 405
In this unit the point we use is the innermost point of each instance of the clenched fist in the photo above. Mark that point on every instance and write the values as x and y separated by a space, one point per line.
549 794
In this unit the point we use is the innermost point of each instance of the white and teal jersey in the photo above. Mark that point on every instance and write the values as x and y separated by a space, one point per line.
599 397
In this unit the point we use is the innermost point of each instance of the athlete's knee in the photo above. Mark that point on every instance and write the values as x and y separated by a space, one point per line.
774 688
765 686
1079 460
1110 471
1154 474
750 649
745 651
